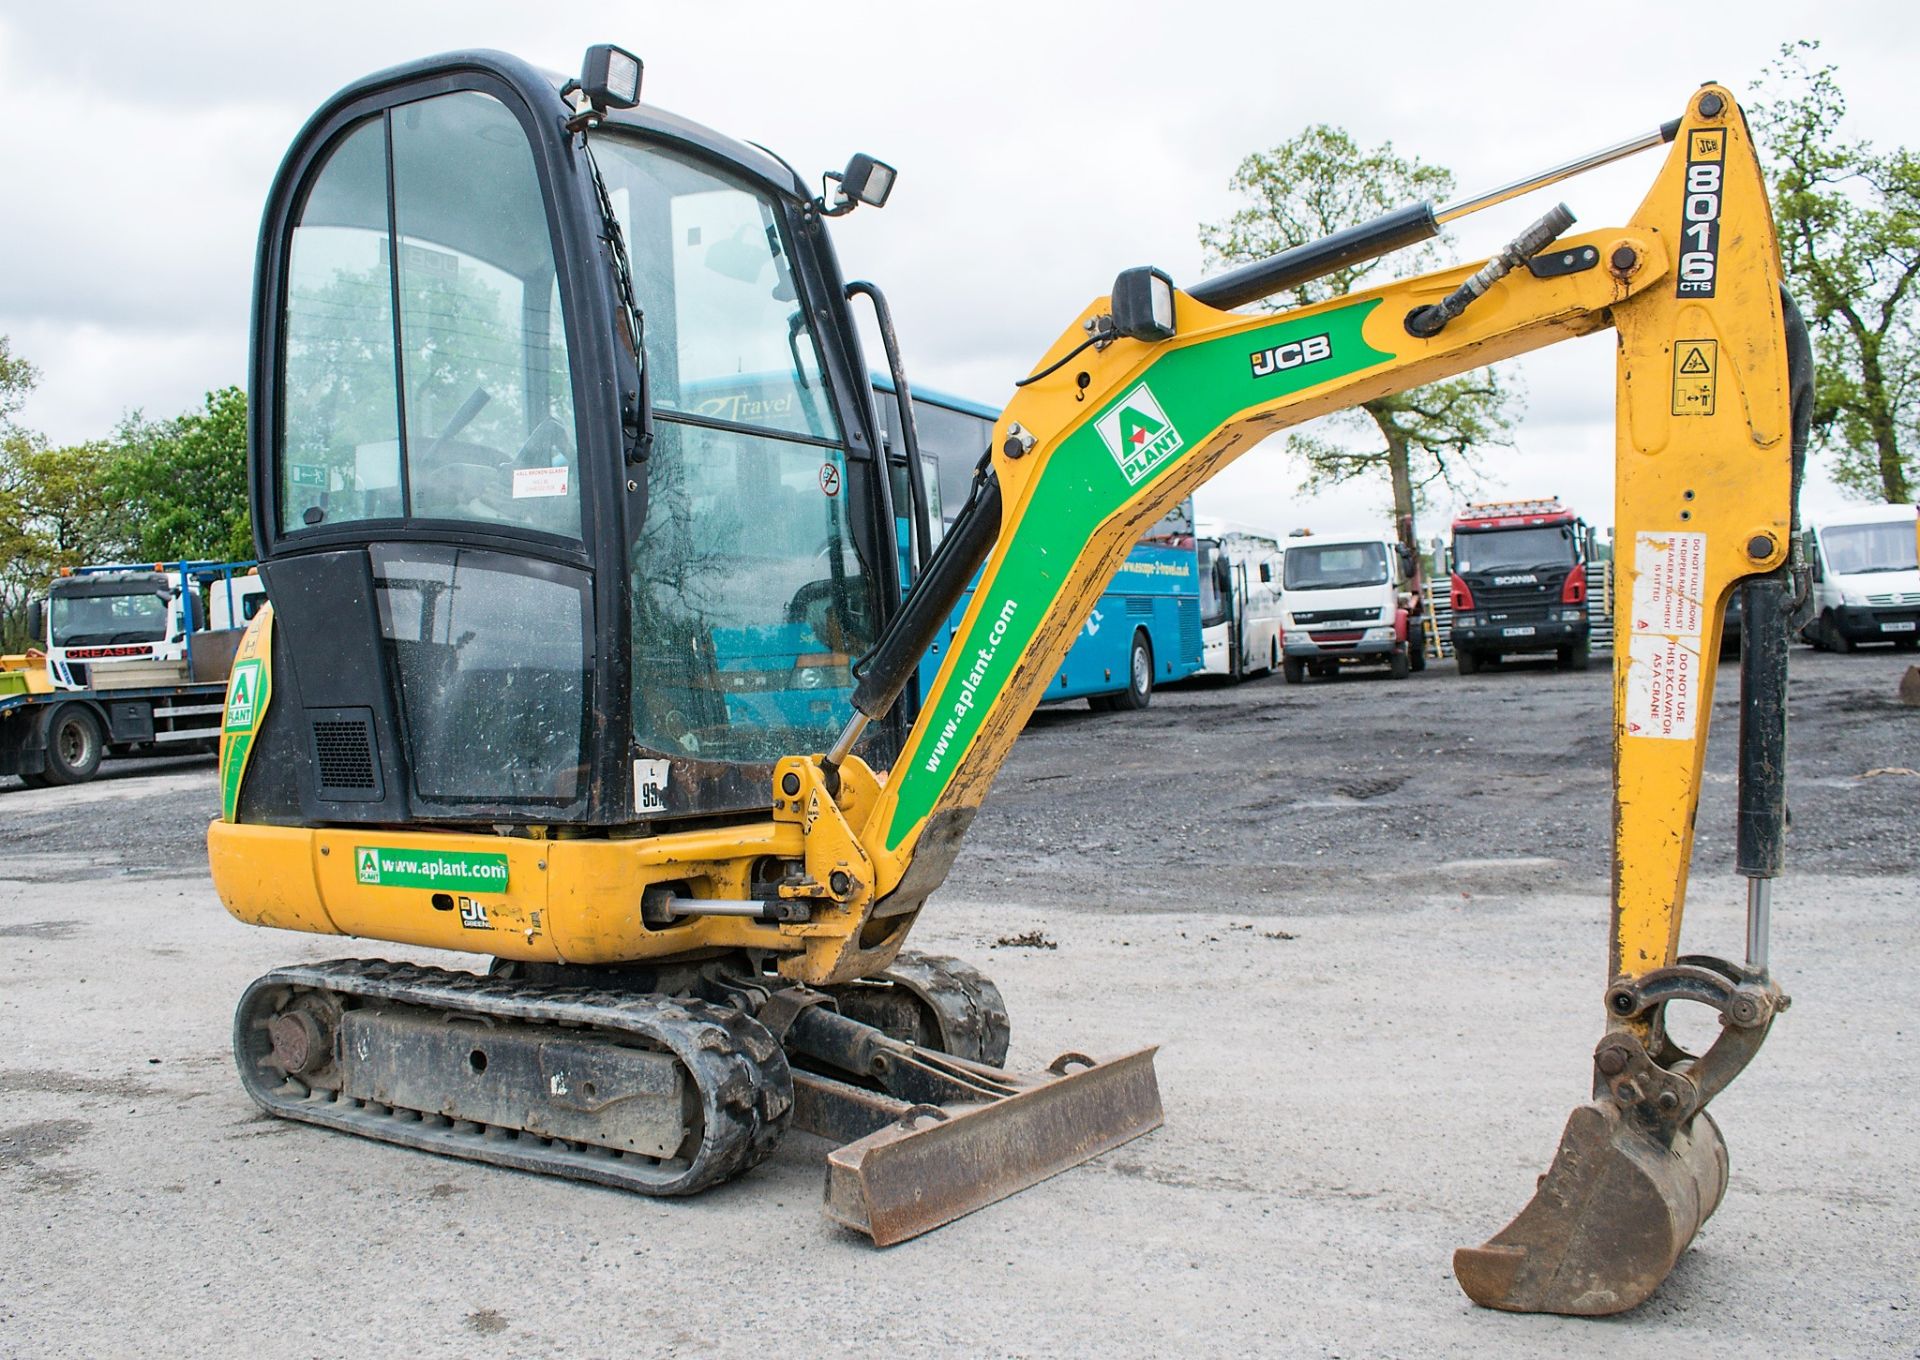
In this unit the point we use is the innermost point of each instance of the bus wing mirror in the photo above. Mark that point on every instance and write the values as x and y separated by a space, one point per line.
36 621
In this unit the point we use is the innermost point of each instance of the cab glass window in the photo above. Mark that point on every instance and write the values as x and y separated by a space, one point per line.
489 403
727 335
339 402
750 595
464 408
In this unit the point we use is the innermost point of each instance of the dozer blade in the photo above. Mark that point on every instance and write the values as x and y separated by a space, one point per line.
1610 1218
932 1164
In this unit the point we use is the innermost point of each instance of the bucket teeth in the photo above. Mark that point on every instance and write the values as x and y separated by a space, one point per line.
1610 1218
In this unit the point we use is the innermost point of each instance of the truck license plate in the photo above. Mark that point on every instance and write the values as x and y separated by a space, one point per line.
1517 632
1906 627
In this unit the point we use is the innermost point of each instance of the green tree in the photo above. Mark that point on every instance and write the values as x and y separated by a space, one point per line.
1849 224
17 378
55 509
181 484
1303 189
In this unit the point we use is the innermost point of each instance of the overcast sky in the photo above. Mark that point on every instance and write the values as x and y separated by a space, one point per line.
1041 148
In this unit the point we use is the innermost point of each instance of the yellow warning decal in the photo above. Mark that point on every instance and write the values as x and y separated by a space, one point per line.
1696 376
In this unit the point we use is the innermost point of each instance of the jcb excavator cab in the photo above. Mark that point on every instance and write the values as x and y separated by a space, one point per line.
505 594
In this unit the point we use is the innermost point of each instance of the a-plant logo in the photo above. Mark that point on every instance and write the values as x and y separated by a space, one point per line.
1138 435
242 697
367 865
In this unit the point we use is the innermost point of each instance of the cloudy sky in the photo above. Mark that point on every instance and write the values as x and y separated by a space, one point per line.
1041 148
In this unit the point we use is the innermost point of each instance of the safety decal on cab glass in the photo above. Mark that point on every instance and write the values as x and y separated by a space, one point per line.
1664 648
1138 435
650 779
1700 213
381 866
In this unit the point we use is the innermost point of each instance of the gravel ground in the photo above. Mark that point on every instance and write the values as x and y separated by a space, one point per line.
1370 1036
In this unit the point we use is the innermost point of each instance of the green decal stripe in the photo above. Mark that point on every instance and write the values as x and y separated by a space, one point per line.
1200 387
233 759
385 866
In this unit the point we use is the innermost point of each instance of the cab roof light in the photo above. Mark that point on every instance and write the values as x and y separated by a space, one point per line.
865 180
609 79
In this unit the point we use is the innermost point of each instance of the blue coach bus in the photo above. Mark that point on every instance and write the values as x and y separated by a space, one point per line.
1145 628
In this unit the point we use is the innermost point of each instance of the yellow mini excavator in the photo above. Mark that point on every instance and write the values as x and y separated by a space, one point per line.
591 647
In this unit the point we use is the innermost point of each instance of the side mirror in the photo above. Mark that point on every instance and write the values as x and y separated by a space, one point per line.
865 180
1447 557
1266 573
196 612
37 620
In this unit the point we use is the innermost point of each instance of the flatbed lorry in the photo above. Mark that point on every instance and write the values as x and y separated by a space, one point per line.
128 660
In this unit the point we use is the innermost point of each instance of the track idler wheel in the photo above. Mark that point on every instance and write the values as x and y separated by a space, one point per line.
1638 1170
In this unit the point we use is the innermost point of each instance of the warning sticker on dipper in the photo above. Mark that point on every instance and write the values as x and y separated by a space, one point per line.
1669 582
1663 648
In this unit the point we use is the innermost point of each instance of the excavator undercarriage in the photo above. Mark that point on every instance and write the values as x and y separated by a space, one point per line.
593 660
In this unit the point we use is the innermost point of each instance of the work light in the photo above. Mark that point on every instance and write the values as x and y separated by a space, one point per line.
610 77
1143 304
866 180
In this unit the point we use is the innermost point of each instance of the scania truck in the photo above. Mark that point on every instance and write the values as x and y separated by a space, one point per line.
1519 583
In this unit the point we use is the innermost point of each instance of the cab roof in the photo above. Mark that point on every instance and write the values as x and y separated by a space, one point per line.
541 89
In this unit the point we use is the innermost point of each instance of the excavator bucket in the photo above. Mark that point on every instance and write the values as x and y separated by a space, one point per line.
1610 1217
924 1165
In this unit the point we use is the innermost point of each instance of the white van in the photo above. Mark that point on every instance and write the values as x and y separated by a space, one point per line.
1349 601
1866 579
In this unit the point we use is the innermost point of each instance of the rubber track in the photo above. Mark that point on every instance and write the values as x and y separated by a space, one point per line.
740 1071
974 1012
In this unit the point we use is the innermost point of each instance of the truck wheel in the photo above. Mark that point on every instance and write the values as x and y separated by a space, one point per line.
1398 664
1417 648
1139 691
1836 641
1273 656
74 745
1573 658
1294 671
1467 662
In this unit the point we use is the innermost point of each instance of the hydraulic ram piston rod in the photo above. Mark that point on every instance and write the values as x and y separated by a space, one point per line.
1396 230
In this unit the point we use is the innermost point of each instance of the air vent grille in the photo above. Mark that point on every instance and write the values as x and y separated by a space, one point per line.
345 765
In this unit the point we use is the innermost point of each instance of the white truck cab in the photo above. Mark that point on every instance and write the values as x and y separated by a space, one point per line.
106 627
1349 601
1866 578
